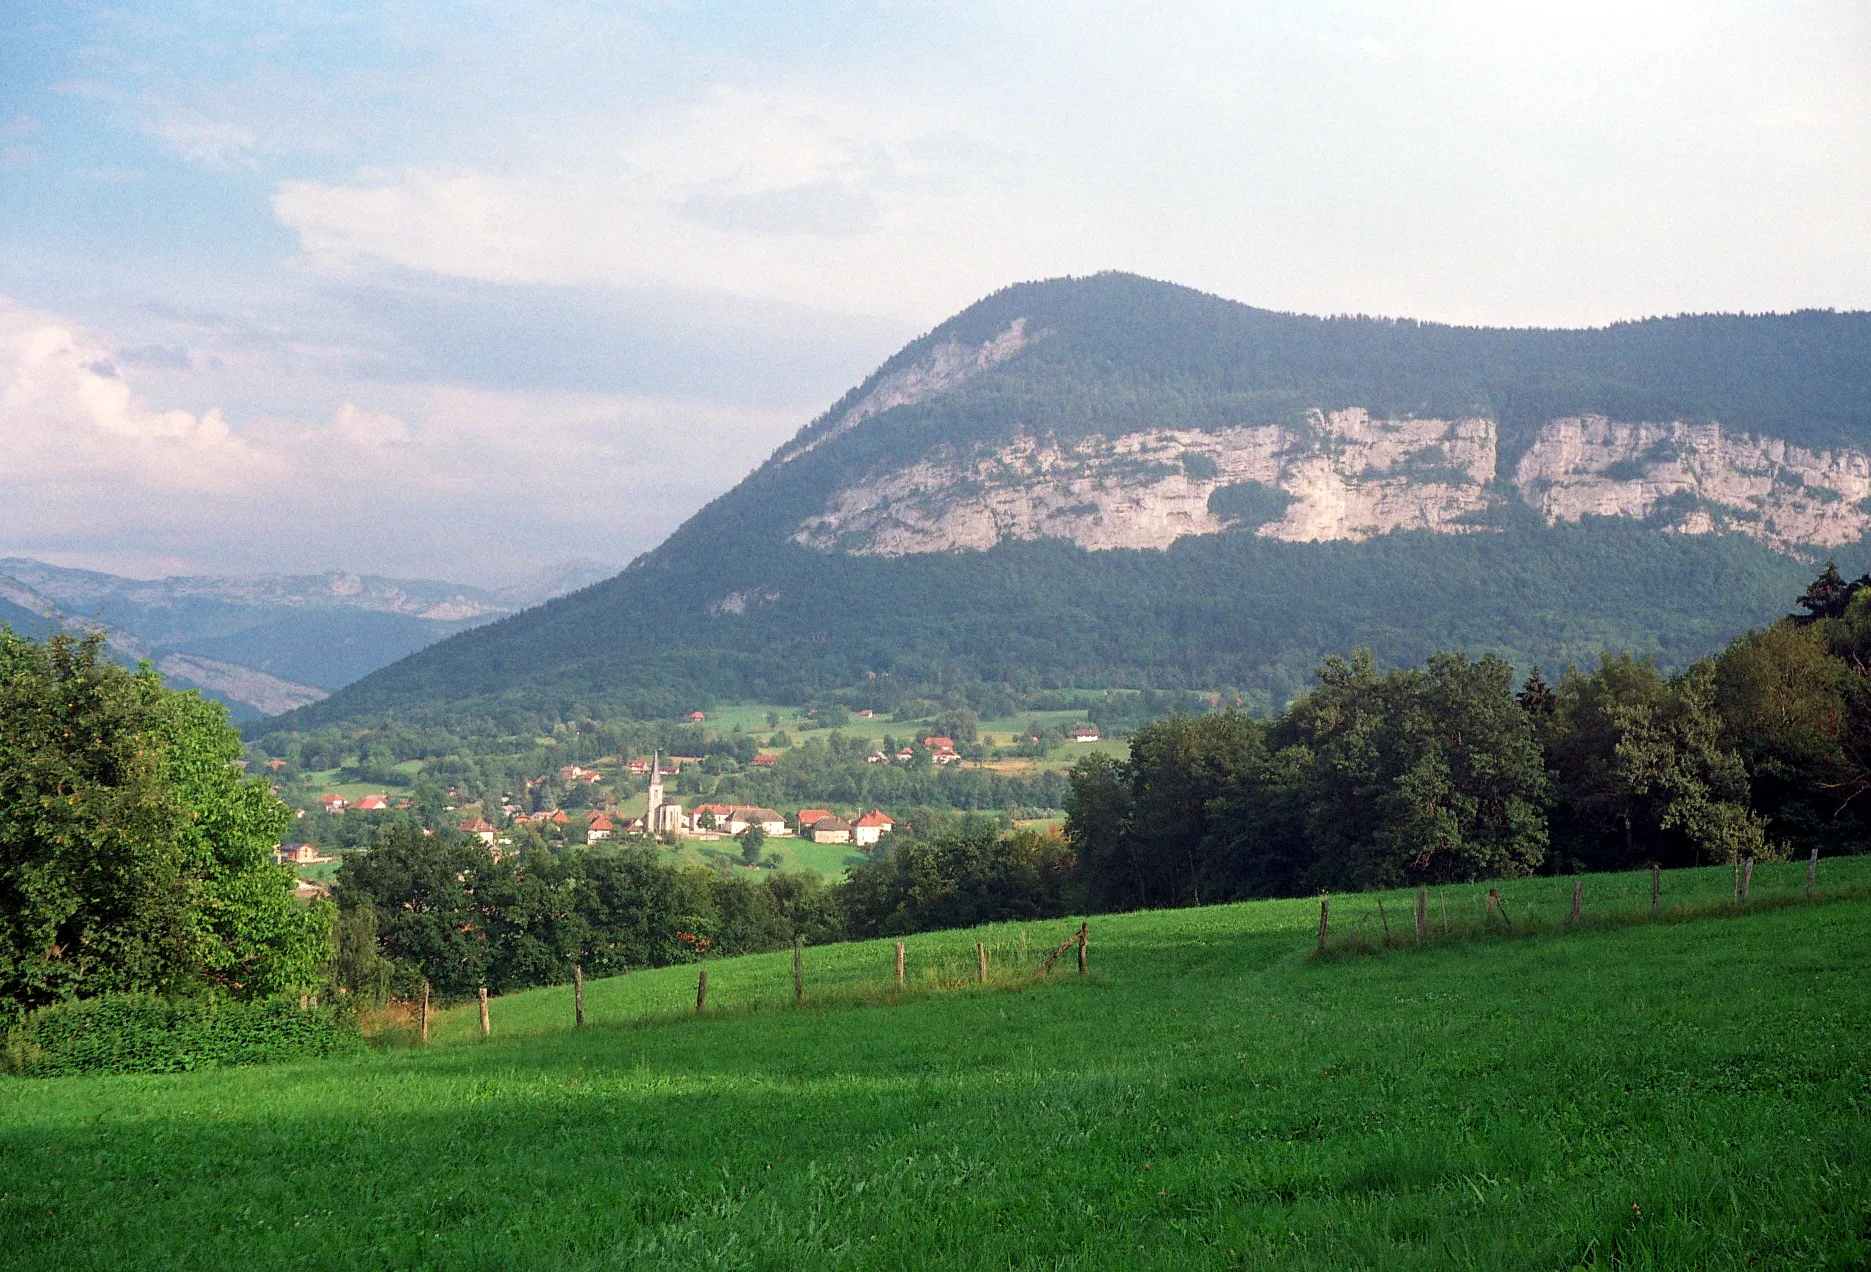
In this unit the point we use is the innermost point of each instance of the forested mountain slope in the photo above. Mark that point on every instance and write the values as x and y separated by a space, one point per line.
1114 481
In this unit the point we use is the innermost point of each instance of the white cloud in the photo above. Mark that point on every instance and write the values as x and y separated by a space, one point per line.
472 484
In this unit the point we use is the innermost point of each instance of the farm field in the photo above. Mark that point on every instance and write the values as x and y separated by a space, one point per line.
1663 1095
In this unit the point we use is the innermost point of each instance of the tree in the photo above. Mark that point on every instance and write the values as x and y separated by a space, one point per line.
134 856
752 840
422 888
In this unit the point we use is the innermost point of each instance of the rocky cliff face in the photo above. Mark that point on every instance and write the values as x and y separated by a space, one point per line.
1346 475
1697 479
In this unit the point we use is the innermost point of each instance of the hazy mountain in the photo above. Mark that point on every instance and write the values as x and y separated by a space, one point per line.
263 643
1113 481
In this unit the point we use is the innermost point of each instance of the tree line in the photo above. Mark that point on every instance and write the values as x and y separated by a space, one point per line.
1450 772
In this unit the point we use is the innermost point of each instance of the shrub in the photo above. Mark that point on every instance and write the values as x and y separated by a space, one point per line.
130 1033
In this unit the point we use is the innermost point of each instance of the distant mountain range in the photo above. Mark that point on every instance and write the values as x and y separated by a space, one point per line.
265 643
1111 481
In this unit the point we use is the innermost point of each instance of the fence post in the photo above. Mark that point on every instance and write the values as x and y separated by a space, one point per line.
486 1028
425 1013
1422 912
1737 877
980 958
799 970
1747 878
1578 893
1385 920
1325 917
1495 903
578 995
1084 939
1656 884
899 964
701 991
1812 872
1442 904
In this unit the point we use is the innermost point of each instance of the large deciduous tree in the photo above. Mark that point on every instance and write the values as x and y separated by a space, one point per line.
134 856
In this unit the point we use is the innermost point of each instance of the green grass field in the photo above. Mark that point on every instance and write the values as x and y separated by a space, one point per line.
1676 1094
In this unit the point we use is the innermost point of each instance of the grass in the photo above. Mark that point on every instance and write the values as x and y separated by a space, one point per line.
1658 1095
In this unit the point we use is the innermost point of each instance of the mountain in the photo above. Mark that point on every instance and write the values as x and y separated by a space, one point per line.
264 643
1111 481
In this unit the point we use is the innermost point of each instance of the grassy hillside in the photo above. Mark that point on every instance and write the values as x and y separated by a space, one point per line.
1673 1095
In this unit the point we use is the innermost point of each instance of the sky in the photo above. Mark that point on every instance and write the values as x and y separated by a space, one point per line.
461 290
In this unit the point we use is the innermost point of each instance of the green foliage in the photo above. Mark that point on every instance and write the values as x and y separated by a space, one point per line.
1247 504
131 1033
134 857
958 880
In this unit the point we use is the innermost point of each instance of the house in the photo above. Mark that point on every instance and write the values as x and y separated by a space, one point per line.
876 757
809 817
1085 733
276 765
866 714
763 760
871 827
371 804
831 829
297 855
599 829
722 815
480 828
636 768
306 890
765 818
333 803
559 818
697 716
573 773
939 745
905 755
634 826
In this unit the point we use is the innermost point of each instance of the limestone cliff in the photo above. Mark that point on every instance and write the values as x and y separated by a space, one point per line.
1346 475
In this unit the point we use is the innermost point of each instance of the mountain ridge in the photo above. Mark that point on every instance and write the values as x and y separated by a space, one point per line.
745 599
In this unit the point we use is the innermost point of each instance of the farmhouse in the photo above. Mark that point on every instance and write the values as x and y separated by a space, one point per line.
831 829
810 817
763 760
480 828
371 804
1085 733
333 803
599 829
871 827
297 855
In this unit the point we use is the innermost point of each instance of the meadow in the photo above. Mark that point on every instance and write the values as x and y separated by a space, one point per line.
1688 1091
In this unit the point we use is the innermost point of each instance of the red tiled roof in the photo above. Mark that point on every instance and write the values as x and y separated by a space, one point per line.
809 817
873 818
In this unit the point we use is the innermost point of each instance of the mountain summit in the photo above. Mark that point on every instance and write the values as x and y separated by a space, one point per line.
1114 481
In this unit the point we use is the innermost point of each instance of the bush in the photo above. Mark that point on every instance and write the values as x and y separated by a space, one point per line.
129 1033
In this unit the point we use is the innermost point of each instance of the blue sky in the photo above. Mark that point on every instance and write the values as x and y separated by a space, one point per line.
458 290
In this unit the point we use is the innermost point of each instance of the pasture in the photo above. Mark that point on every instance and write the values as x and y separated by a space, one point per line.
1689 1092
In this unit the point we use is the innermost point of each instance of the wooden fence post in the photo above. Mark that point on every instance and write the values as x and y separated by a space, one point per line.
1812 872
1578 894
980 958
799 970
1422 912
899 963
1442 903
701 991
1737 878
1385 920
578 995
1656 884
1747 878
425 1013
1084 939
1495 904
1325 917
486 1028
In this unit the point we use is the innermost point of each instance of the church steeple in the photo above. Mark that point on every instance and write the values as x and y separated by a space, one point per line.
656 792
